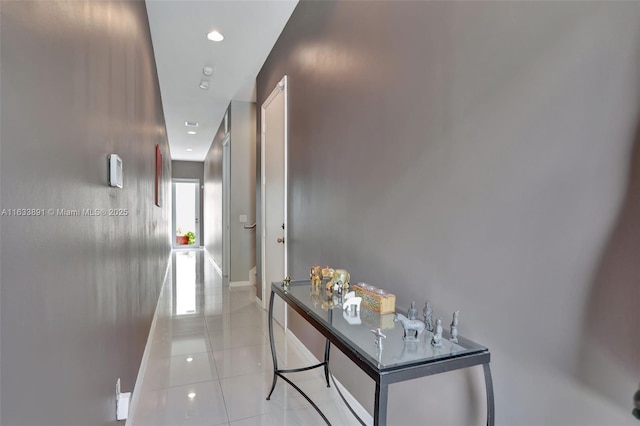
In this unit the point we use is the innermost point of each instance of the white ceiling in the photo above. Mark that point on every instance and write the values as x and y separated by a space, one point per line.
179 31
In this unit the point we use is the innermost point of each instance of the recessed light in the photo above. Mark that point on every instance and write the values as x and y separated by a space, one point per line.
191 395
189 359
189 150
204 84
191 132
191 123
208 71
215 36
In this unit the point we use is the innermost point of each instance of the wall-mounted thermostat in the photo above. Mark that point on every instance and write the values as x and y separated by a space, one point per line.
115 170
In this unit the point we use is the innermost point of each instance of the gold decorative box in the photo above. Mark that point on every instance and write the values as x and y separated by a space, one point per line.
376 299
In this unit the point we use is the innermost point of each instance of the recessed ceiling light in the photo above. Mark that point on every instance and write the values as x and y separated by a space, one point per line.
204 84
191 123
208 71
191 395
191 132
215 36
189 150
189 359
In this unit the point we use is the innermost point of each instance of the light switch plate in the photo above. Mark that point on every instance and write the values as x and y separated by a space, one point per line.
115 171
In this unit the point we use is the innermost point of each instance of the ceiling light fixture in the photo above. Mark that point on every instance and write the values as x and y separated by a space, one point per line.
191 395
215 36
204 85
191 123
208 71
191 132
189 150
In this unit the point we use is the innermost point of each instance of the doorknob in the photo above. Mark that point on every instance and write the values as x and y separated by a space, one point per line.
281 240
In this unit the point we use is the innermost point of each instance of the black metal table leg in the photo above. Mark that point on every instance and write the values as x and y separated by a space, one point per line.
327 346
279 373
488 382
380 408
273 347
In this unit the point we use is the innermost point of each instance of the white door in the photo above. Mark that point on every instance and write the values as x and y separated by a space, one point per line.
274 195
186 213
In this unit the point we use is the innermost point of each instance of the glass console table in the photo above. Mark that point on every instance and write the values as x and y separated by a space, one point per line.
397 361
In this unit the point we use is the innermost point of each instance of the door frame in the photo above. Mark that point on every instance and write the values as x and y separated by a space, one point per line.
226 204
281 87
173 212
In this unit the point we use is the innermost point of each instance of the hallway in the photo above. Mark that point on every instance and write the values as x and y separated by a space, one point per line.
209 361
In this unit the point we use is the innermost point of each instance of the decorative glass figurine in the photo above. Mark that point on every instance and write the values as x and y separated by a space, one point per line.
412 328
315 274
379 336
454 327
428 312
436 340
340 277
412 313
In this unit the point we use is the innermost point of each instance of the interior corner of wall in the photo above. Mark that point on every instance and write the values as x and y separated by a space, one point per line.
252 276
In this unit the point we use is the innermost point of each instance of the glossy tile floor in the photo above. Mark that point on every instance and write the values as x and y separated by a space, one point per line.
209 361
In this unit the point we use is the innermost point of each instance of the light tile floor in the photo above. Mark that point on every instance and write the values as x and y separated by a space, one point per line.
209 361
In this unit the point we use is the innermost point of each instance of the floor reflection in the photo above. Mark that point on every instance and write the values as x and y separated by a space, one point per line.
209 360
185 282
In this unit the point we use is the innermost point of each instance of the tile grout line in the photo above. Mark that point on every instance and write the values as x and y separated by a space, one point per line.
215 364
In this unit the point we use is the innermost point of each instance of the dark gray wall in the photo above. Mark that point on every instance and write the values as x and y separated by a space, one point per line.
191 170
213 197
77 293
476 154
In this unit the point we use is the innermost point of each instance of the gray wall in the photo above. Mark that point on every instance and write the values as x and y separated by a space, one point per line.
476 154
241 126
78 293
213 197
243 189
191 170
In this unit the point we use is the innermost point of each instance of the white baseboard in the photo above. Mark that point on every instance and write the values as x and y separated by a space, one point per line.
135 396
213 262
239 284
357 407
259 302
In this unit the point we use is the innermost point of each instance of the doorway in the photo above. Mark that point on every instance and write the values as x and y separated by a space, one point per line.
186 213
274 136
